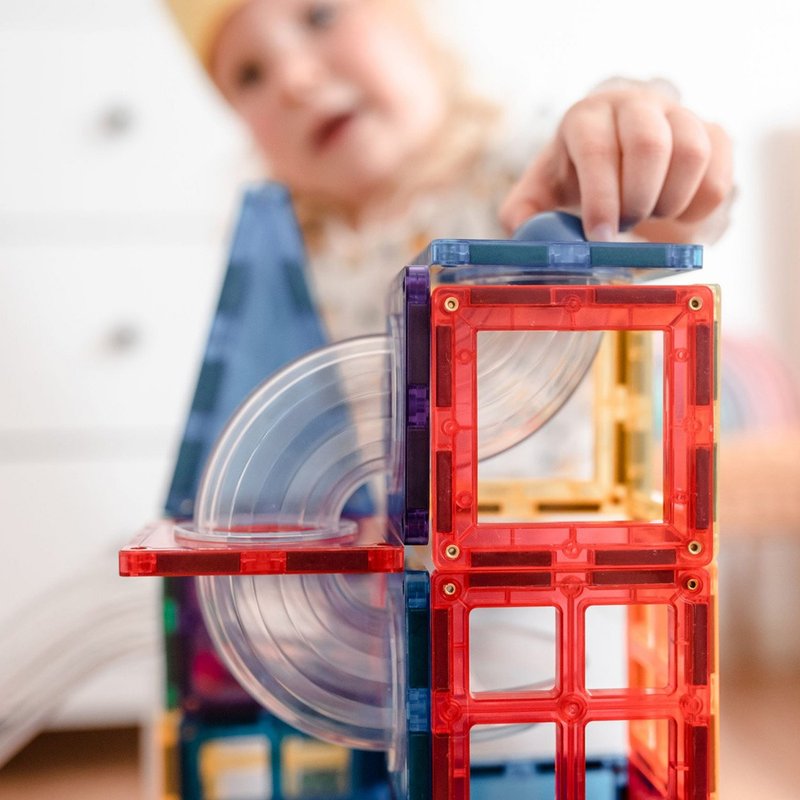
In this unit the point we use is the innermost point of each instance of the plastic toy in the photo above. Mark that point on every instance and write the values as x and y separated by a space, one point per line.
305 583
209 712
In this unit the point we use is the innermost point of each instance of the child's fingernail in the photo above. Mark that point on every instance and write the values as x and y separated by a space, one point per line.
601 233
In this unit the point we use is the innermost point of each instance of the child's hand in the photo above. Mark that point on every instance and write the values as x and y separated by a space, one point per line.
628 157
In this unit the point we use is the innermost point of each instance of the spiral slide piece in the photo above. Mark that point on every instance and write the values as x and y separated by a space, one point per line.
524 377
300 446
326 652
320 651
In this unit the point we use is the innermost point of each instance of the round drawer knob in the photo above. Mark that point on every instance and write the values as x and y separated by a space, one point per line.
123 338
116 121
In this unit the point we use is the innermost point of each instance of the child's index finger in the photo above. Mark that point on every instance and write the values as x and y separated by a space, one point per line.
590 138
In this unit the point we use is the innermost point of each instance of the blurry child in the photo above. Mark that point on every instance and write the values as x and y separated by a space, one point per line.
361 113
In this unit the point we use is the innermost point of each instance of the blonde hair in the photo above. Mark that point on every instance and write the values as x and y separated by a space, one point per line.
201 21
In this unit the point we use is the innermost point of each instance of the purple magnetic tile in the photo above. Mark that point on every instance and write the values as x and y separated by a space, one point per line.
417 285
418 406
416 527
416 377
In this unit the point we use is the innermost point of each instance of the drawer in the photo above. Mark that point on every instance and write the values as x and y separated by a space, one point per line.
66 619
114 122
103 338
62 517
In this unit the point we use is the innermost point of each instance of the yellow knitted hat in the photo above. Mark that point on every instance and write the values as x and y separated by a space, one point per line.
201 22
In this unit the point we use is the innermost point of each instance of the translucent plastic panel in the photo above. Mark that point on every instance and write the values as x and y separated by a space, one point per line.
524 377
300 447
323 652
487 261
563 450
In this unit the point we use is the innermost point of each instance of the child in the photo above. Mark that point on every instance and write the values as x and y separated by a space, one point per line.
364 117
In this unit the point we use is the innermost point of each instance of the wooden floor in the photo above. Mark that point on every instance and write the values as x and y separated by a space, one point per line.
760 738
75 765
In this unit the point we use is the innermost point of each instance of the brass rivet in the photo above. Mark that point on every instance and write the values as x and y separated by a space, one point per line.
452 551
451 304
695 548
692 584
696 303
449 589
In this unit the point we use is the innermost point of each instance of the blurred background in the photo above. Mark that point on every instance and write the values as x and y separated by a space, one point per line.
120 172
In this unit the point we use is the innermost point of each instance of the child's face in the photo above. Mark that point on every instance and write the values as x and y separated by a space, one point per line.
339 94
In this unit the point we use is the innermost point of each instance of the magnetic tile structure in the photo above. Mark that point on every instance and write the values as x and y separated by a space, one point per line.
489 344
661 571
263 290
